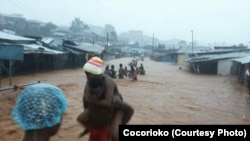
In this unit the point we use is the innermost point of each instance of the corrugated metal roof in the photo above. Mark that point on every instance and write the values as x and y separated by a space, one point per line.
194 49
59 34
208 50
7 36
47 40
216 57
88 48
242 60
34 48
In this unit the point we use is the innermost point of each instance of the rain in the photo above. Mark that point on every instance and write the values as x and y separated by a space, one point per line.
195 56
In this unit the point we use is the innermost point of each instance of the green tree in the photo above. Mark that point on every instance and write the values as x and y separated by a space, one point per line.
241 45
46 29
113 36
182 44
112 33
33 28
161 46
108 29
77 25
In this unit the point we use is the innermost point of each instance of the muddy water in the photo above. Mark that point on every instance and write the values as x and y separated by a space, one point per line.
165 95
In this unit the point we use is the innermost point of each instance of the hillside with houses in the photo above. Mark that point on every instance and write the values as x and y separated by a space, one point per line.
46 46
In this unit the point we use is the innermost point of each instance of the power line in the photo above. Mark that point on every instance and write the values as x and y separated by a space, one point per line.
31 11
23 9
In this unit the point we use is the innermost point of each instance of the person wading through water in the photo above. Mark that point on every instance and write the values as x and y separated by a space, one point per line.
121 72
104 107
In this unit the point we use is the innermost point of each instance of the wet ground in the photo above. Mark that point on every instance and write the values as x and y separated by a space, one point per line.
165 95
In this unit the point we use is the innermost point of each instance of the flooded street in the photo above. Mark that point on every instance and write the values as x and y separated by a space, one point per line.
165 95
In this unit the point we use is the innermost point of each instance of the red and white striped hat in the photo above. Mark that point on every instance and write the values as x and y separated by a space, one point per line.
94 66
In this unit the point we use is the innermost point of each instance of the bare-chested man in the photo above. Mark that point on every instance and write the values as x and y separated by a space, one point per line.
103 104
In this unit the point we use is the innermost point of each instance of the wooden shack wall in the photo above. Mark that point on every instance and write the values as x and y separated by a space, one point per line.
34 62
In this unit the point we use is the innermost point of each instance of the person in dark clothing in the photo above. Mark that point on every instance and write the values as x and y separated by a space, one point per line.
106 71
121 72
141 70
133 72
112 72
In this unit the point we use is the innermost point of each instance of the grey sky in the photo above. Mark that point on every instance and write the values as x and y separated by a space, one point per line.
211 20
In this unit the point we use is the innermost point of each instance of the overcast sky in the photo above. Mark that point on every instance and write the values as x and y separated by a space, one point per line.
211 20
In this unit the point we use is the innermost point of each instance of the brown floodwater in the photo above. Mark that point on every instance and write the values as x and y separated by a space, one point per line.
165 95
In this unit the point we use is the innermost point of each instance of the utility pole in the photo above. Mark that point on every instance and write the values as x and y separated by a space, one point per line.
192 42
153 45
93 41
107 46
107 41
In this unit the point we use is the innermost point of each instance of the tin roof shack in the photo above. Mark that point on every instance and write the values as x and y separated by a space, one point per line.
116 52
219 64
240 66
186 52
165 55
87 49
14 39
240 47
38 57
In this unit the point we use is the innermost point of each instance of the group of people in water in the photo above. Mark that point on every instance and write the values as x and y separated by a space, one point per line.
40 107
125 72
